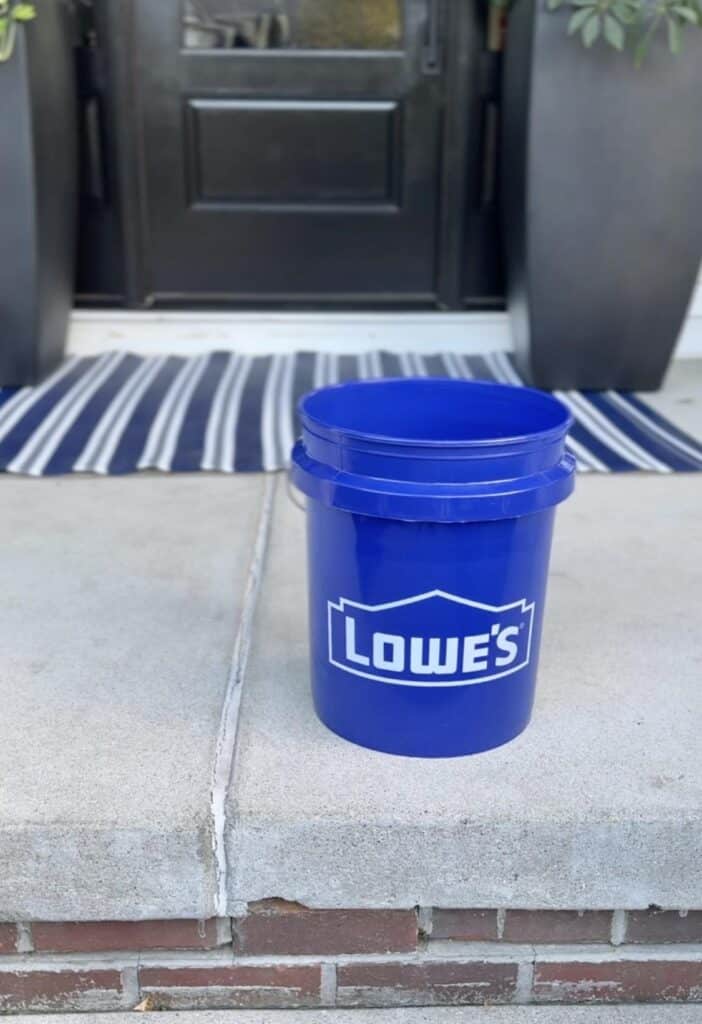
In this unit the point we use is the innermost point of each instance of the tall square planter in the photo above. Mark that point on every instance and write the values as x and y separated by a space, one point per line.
602 170
38 198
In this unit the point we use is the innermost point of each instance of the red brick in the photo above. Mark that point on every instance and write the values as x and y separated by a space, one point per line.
618 982
39 990
425 984
112 936
557 926
232 986
8 938
278 927
465 925
664 926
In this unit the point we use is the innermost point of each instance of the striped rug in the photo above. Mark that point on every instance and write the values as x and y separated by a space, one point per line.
224 412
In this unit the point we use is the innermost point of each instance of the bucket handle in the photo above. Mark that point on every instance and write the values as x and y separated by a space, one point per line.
292 492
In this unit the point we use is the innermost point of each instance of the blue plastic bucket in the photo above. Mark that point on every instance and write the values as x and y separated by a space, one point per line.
429 533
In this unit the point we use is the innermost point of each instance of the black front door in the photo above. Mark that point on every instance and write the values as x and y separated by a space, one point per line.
290 149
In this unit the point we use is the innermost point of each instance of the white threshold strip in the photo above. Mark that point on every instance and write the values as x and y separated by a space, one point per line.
194 332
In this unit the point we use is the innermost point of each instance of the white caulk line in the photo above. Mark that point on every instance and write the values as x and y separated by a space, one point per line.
130 985
524 987
617 934
229 719
328 984
25 941
425 921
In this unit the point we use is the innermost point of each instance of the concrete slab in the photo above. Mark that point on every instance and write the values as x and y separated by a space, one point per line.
428 1015
118 610
597 805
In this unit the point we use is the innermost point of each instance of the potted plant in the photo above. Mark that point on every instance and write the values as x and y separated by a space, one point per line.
38 200
601 177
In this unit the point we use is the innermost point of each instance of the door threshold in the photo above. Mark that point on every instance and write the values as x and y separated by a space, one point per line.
191 332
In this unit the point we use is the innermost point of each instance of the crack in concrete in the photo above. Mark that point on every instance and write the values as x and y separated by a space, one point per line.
229 719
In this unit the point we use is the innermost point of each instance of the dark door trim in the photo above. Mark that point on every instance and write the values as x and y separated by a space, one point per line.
460 158
115 27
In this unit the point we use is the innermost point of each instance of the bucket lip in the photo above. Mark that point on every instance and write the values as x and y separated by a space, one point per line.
339 434
419 501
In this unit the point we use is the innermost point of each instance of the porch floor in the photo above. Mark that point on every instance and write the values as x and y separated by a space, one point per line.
160 757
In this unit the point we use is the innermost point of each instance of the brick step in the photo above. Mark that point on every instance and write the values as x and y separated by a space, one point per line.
438 973
125 798
435 1015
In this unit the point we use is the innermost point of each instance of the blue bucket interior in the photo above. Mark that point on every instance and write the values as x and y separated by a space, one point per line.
434 411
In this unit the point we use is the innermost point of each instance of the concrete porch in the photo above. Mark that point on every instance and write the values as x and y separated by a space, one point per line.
160 763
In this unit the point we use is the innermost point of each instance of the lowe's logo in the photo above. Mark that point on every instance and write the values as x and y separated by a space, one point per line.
433 639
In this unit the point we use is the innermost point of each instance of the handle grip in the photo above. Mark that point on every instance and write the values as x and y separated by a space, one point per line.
432 49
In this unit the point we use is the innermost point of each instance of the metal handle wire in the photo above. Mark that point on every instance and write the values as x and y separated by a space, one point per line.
293 492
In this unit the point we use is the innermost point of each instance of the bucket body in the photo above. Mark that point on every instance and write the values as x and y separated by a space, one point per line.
427 581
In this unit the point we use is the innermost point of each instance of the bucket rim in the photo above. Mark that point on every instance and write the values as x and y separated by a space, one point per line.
340 433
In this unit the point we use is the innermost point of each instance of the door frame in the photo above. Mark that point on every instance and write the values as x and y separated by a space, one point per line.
460 153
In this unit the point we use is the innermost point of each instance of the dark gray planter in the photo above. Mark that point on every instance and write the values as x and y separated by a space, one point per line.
38 198
602 175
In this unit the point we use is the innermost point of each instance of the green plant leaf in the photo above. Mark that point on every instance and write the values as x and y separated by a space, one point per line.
591 30
686 13
674 36
578 19
625 13
7 38
614 33
644 42
24 12
592 19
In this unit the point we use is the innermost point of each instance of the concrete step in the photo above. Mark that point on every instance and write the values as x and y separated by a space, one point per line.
596 805
435 1015
119 609
118 620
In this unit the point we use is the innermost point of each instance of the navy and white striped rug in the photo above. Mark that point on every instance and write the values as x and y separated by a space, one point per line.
224 412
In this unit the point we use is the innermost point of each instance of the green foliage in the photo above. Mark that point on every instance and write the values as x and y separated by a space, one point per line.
12 12
631 23
24 12
350 24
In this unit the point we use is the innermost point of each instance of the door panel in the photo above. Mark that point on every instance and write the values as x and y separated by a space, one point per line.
291 158
295 151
